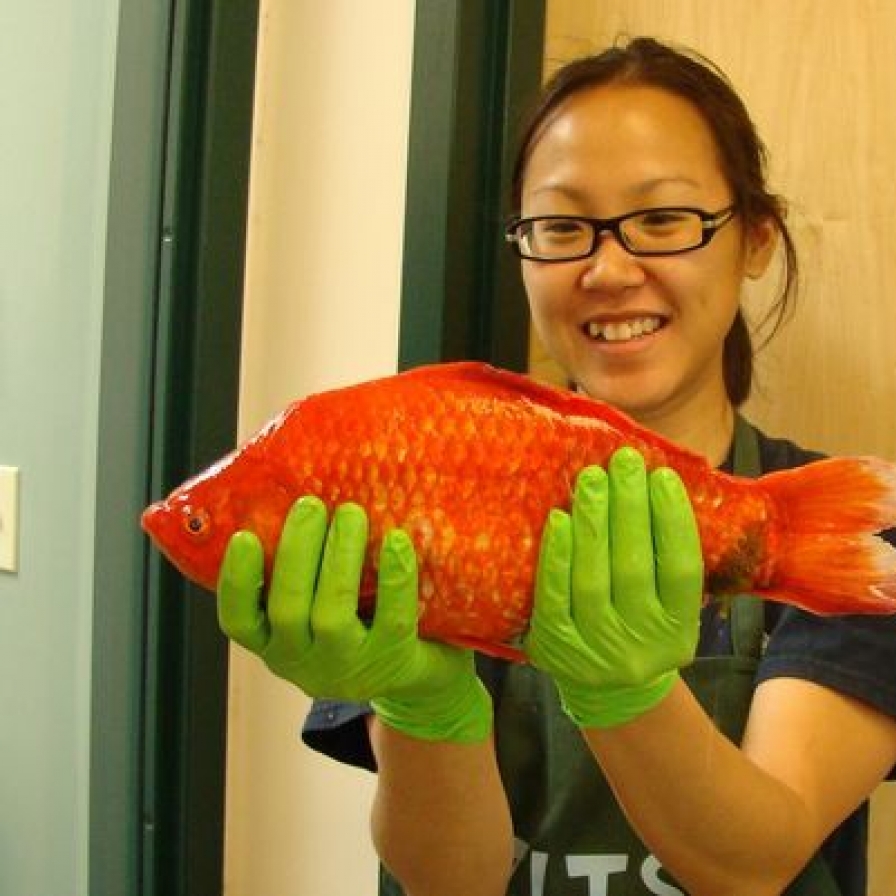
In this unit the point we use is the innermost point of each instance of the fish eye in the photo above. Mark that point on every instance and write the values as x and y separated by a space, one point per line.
197 522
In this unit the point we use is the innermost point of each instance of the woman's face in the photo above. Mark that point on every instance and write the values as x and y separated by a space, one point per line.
645 334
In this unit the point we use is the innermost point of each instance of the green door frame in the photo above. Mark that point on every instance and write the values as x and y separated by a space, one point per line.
477 67
168 406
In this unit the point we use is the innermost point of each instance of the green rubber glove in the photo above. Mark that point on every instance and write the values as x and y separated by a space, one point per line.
309 633
618 592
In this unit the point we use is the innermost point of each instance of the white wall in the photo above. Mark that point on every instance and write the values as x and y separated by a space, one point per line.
57 63
322 308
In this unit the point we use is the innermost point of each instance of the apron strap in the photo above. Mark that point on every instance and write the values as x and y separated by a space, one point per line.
746 449
747 625
747 610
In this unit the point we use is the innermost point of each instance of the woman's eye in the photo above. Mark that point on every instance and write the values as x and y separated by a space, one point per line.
661 219
560 229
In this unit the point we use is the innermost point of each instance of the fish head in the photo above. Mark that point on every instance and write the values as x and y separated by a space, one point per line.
194 524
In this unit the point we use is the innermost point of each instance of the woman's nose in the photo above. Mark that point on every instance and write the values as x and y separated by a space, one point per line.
611 266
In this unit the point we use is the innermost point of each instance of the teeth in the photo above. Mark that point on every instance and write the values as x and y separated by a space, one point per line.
624 330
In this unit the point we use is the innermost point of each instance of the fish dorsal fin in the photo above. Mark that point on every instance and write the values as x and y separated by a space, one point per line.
517 385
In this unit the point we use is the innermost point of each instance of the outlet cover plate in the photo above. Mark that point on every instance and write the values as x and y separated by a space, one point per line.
9 519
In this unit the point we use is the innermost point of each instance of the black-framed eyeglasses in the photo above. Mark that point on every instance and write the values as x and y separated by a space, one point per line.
648 231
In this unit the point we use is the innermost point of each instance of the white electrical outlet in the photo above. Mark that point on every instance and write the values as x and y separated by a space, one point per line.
9 519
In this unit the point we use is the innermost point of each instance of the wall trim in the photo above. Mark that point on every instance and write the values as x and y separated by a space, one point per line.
476 67
168 406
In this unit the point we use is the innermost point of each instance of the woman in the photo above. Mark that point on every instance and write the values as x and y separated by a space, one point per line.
650 746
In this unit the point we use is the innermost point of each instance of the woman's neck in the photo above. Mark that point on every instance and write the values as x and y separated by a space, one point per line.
708 433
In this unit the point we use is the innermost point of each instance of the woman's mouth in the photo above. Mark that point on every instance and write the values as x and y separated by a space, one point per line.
618 331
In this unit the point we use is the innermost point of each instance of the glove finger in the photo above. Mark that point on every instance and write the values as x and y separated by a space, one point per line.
631 539
334 613
679 558
553 643
397 608
295 572
553 577
240 581
395 623
591 585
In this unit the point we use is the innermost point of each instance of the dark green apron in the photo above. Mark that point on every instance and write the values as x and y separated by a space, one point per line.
572 837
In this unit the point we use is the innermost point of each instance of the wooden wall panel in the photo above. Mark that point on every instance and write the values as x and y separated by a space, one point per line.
818 77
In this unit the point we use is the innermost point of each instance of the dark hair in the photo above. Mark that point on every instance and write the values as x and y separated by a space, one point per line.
742 155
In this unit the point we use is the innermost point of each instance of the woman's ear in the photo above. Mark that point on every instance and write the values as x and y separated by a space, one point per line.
761 240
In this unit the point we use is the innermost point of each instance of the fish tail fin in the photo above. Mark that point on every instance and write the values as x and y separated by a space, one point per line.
839 495
830 574
830 559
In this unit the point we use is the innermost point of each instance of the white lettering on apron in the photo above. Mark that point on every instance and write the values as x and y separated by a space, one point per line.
650 875
597 869
537 869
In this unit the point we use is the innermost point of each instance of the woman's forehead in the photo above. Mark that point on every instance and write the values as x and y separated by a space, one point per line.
646 136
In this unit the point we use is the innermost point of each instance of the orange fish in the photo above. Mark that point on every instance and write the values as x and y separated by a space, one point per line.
469 460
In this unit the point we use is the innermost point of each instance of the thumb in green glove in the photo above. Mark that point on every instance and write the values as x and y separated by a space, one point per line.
618 592
308 631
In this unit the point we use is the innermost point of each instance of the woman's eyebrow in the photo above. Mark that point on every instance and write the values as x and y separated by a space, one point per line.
636 191
654 183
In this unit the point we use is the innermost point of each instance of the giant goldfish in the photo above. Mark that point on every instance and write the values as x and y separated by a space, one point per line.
469 460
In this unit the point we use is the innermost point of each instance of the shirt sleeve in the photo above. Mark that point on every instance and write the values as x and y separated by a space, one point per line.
339 730
854 655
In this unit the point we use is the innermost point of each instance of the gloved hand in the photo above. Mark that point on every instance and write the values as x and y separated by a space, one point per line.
618 592
309 632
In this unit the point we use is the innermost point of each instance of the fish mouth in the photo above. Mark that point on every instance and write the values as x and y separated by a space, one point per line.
150 519
624 329
154 522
